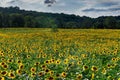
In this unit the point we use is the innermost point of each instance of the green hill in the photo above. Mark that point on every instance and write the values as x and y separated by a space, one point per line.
15 17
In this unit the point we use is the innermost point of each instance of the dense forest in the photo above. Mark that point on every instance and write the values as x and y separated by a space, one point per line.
15 17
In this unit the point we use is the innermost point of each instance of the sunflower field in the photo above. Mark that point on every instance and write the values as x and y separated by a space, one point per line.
69 54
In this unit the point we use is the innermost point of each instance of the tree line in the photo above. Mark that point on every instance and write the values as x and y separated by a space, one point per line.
15 17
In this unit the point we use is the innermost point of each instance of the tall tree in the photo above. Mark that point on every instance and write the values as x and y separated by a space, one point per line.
1 20
17 20
110 22
29 21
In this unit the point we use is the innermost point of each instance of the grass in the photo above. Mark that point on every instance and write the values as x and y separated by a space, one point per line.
77 54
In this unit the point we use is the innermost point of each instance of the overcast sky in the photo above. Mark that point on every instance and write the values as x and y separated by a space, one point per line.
91 8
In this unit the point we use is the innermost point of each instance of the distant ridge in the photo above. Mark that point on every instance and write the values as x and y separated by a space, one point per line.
41 19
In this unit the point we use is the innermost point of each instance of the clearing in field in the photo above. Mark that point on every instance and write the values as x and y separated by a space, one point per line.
78 54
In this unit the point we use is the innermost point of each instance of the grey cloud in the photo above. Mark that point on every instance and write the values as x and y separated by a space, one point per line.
78 7
101 10
49 1
114 9
107 4
13 1
93 10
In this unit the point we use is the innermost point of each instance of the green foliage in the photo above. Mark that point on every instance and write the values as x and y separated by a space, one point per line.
29 22
17 20
71 25
110 22
14 17
54 28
